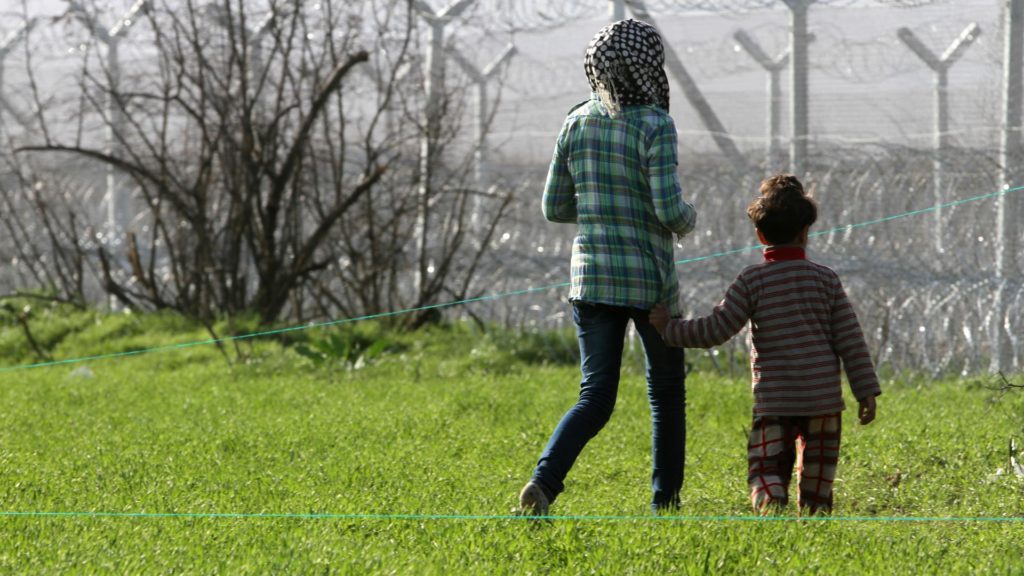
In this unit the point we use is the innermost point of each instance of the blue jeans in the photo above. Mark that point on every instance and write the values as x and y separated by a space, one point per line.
601 330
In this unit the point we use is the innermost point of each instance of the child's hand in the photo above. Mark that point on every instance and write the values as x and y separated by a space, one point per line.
866 410
659 318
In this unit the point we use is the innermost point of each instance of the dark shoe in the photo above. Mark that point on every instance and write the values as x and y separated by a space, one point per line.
532 500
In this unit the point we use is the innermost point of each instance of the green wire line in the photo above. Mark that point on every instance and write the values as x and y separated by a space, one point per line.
484 298
500 517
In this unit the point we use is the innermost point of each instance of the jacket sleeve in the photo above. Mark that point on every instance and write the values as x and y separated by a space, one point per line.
559 201
672 211
724 322
849 344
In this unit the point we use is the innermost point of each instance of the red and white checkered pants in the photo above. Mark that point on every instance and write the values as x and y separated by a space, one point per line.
777 443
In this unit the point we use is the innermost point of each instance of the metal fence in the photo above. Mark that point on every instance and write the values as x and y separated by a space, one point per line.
881 106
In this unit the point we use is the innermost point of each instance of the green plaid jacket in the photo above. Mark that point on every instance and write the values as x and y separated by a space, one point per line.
616 179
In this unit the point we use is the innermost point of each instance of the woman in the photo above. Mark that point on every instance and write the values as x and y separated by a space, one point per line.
614 174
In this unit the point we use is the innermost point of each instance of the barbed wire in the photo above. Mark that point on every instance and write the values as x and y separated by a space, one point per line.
538 15
543 12
833 54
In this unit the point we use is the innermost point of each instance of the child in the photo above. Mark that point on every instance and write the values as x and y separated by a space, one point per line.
802 325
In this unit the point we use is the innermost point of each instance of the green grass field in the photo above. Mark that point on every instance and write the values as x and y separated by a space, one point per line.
327 468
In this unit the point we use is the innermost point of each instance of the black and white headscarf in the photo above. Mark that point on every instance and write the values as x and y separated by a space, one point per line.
625 64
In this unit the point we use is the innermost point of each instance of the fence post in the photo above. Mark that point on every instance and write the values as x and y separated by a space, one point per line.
617 10
774 68
434 87
940 65
115 121
6 46
693 94
483 110
798 58
112 37
254 36
1009 206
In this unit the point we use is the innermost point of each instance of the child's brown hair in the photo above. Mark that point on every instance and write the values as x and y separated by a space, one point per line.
783 209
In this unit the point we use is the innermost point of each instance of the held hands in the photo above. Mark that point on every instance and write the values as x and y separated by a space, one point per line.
866 411
659 318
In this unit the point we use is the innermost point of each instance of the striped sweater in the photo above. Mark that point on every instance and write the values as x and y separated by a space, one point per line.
802 325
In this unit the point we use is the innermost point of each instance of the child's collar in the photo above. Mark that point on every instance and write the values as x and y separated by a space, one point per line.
784 252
